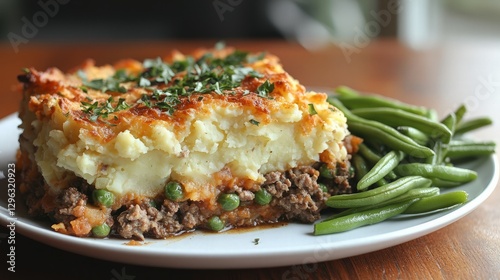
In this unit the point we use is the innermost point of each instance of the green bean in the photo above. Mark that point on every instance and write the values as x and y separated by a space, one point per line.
432 115
459 114
440 183
229 201
377 147
386 134
409 195
441 145
466 149
381 182
473 124
103 197
437 202
356 220
415 134
262 197
391 176
368 154
370 101
347 92
376 191
449 173
414 193
337 103
401 131
215 223
398 117
396 142
379 194
385 165
101 231
449 122
360 166
174 191
391 132
437 147
373 158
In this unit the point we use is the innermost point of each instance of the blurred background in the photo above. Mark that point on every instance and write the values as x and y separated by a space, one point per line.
312 23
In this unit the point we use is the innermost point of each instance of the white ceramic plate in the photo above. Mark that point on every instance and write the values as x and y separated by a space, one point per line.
291 244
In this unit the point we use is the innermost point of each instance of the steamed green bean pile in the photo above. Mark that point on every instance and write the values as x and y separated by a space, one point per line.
406 158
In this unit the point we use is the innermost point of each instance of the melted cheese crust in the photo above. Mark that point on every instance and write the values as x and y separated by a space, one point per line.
212 142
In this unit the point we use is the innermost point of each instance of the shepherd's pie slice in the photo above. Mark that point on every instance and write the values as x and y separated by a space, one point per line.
216 139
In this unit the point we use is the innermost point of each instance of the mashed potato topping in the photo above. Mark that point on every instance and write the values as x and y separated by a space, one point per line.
105 125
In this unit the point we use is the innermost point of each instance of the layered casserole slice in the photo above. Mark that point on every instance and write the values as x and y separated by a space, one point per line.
215 139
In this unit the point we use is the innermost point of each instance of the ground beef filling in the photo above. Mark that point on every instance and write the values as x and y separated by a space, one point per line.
296 196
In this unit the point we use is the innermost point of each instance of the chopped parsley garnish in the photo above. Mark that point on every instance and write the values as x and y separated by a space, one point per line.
103 109
165 88
110 84
255 58
204 75
254 122
164 100
312 110
265 89
157 71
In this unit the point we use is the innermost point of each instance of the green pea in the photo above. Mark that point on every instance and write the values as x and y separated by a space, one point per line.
101 230
263 197
215 223
229 201
326 172
103 197
173 191
323 187
152 203
352 171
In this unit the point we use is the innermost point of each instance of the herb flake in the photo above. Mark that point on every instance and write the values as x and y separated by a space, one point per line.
254 122
312 110
112 83
167 83
102 109
265 89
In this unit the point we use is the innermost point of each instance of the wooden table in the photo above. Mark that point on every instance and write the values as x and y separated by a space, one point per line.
440 77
